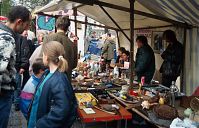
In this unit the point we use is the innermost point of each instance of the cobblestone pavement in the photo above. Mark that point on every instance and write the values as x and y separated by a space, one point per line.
16 119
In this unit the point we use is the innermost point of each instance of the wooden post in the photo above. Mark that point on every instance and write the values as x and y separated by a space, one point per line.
75 17
183 75
85 26
118 39
132 41
115 23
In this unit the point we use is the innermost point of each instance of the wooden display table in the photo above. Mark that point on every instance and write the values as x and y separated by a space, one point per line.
101 116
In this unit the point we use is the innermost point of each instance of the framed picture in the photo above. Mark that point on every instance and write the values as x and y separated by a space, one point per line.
157 42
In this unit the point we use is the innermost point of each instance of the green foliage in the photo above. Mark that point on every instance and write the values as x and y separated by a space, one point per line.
5 7
31 4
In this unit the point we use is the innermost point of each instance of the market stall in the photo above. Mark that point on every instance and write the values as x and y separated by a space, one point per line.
153 102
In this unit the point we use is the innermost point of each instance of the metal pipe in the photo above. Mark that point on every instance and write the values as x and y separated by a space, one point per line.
118 39
75 17
115 23
183 88
82 22
132 41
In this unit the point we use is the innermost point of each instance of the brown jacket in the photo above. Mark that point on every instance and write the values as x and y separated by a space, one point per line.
70 49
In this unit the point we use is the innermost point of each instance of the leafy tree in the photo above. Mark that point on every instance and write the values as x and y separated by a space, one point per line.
31 4
5 7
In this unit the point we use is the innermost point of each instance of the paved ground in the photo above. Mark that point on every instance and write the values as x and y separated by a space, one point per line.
17 120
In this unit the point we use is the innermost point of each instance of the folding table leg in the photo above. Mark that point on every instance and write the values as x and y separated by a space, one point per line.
118 123
83 124
106 124
126 123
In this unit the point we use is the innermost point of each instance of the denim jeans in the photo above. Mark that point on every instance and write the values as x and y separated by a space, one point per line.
18 89
5 107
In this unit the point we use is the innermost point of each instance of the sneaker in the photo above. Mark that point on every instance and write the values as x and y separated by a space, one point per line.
17 107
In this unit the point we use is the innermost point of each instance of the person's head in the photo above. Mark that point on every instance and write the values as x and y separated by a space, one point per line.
40 38
125 55
53 53
121 50
141 41
19 19
63 23
169 36
25 33
38 67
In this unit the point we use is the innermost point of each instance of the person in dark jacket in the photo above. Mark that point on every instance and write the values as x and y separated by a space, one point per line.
145 60
54 104
23 53
173 59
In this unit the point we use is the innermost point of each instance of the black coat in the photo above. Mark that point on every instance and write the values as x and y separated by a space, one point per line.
23 52
57 106
173 59
145 63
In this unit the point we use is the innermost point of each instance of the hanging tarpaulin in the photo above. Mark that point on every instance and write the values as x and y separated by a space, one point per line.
45 24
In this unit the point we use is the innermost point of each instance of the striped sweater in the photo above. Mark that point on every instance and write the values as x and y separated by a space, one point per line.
7 58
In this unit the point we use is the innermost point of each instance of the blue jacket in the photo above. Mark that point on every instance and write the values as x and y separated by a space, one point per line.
57 106
145 63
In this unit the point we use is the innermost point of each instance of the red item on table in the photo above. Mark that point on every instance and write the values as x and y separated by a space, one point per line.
133 93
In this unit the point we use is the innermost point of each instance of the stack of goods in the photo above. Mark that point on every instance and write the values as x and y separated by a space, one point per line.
85 100
124 96
105 102
119 82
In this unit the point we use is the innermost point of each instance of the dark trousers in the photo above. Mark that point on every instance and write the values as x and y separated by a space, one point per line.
26 77
167 80
5 107
17 92
108 61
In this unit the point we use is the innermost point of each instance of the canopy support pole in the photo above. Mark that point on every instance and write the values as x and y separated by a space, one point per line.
75 17
118 39
132 41
82 22
86 20
115 23
182 81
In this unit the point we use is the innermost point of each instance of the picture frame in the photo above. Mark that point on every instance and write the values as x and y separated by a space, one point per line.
157 43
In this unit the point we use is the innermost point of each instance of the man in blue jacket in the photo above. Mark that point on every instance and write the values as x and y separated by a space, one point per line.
145 60
18 20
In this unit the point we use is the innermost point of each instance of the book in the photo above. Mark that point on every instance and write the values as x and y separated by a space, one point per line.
89 111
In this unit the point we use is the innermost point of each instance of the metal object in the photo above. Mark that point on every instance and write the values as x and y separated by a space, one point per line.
104 10
173 90
132 11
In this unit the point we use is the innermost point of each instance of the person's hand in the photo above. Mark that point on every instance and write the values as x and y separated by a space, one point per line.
134 73
21 71
161 51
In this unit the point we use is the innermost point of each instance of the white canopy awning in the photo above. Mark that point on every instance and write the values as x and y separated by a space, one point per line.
179 10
